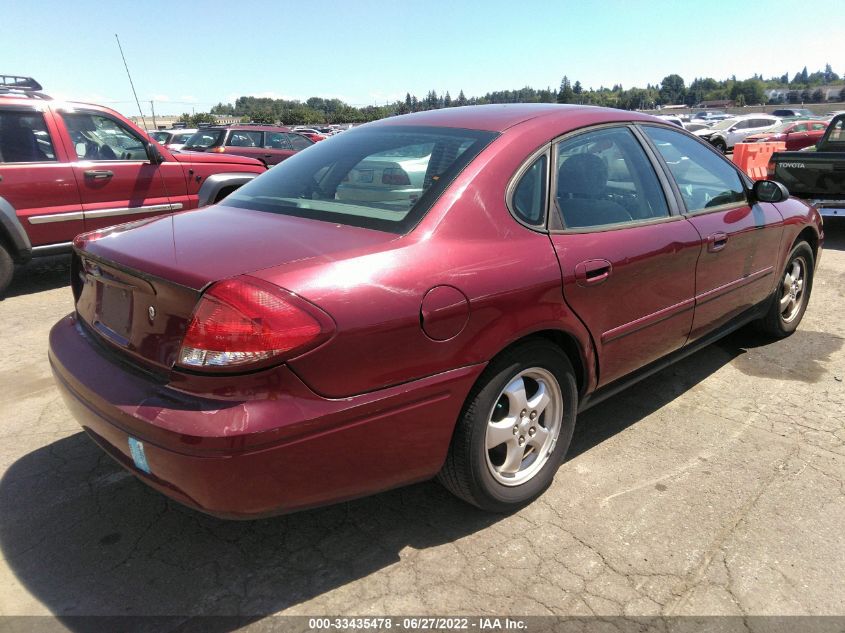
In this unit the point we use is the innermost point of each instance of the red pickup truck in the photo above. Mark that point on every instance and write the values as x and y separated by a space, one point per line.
67 168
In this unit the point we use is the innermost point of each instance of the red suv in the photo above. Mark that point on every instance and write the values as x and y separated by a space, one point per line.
437 294
269 144
66 168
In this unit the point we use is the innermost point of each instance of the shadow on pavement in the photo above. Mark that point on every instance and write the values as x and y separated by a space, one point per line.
42 273
86 538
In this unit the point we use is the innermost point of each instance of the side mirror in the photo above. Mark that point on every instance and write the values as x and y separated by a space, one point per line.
769 191
153 154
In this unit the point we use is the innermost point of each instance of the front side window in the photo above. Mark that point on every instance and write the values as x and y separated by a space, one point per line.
97 137
705 179
24 137
529 196
299 142
819 126
801 127
241 138
604 178
276 140
383 178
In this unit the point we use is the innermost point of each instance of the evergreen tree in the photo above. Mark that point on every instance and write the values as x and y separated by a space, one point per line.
447 100
565 94
462 100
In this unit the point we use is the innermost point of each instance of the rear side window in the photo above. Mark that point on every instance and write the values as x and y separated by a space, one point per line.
385 177
819 126
801 127
705 179
276 140
529 195
604 178
239 138
24 138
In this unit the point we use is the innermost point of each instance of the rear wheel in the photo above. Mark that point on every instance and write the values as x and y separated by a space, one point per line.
792 294
515 428
720 145
7 269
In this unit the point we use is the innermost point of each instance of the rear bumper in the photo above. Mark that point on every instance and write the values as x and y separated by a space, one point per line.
282 449
829 208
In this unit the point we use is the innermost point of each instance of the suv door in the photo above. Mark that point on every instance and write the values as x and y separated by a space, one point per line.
116 179
36 178
249 143
279 147
736 269
796 137
627 257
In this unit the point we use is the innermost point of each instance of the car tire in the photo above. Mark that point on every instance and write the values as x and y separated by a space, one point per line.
792 294
7 269
720 145
527 397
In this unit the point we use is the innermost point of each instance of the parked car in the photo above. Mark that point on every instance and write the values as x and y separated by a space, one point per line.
817 176
796 134
175 139
267 143
311 134
794 113
291 347
694 126
672 118
710 116
723 135
66 168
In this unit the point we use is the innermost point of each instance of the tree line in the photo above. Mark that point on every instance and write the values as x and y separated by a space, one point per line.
802 87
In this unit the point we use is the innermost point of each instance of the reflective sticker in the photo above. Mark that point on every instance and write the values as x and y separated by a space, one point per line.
138 456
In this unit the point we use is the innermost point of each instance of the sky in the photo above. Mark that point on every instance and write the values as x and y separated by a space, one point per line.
188 56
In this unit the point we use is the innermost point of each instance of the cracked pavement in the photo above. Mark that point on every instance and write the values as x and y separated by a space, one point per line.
715 487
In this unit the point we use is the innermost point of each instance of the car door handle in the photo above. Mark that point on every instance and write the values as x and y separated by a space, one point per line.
592 272
98 174
717 241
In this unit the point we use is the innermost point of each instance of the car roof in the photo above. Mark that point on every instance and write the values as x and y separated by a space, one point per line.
500 117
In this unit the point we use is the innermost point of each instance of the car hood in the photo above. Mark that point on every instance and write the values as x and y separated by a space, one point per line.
219 159
195 248
704 132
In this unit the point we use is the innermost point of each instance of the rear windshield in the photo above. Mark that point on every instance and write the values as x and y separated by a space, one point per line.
383 178
206 138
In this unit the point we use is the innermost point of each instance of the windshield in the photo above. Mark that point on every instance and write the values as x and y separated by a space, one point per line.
383 178
161 137
205 138
723 125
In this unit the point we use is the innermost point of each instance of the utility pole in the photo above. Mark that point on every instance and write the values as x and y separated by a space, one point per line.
153 108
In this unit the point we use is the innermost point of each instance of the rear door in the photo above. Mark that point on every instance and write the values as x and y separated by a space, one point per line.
117 181
627 256
796 138
36 178
741 241
248 143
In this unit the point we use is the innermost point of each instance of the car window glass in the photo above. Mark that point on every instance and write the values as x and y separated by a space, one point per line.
24 138
205 139
384 178
161 137
604 178
837 132
299 142
275 140
243 138
801 127
819 126
97 137
529 195
705 179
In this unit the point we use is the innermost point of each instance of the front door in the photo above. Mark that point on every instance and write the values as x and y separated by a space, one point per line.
117 181
628 262
735 270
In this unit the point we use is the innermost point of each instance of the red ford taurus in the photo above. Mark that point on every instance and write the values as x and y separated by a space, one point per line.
437 294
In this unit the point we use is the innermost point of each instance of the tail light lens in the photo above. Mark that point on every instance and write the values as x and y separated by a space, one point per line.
770 169
246 322
218 150
395 176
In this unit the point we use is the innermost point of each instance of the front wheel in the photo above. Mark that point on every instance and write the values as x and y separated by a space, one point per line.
792 294
720 145
514 430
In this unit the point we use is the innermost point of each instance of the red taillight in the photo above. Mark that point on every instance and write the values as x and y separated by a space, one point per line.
395 176
218 150
247 321
770 169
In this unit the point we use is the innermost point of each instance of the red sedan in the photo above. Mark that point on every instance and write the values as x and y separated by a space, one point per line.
796 134
437 294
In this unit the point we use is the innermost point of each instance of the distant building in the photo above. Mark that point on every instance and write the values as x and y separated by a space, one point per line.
165 122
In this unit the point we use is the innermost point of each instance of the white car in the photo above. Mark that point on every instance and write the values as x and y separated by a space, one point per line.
173 139
725 134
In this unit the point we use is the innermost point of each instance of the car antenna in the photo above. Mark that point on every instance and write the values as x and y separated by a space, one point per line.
126 66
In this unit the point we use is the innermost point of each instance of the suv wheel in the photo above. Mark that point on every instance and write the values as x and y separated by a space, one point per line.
720 145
